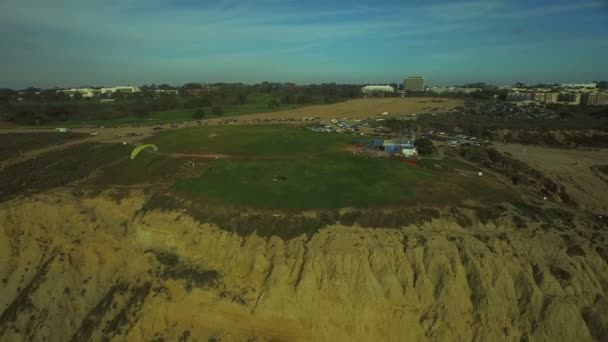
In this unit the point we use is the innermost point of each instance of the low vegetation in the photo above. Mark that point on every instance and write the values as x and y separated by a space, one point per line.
47 107
57 168
15 144
266 176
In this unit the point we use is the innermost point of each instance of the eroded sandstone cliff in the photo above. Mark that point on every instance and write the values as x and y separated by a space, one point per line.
90 268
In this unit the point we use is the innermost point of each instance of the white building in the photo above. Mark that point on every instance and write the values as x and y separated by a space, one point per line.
121 89
413 83
92 92
592 85
441 90
409 151
166 91
369 89
84 92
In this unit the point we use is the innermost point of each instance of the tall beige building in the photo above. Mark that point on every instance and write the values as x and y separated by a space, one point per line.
413 83
595 99
546 97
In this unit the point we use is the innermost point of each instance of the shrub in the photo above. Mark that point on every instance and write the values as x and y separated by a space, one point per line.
424 146
198 114
217 110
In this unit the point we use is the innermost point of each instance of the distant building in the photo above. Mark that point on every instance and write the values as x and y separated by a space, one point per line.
120 89
443 90
546 97
409 150
592 85
371 89
414 84
516 96
551 97
84 92
539 96
95 92
595 99
569 98
166 91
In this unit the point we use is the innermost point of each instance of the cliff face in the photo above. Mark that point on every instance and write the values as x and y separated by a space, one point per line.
90 268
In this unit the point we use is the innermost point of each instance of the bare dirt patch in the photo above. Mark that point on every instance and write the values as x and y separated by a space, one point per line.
572 168
361 109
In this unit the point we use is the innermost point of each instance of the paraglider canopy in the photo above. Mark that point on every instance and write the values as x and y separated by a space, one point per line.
141 148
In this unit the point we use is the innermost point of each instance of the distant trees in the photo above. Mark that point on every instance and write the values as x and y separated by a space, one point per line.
197 101
198 114
240 99
192 86
304 99
217 110
58 112
287 99
33 105
141 108
424 146
167 102
273 103
5 95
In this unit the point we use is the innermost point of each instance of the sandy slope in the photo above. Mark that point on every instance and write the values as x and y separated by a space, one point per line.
85 269
569 167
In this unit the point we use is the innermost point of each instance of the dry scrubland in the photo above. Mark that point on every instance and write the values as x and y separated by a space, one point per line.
364 108
575 169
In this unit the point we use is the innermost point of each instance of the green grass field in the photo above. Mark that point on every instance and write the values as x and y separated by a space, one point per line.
331 180
316 174
262 141
262 167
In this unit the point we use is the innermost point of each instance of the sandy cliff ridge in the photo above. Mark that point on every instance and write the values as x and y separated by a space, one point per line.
89 268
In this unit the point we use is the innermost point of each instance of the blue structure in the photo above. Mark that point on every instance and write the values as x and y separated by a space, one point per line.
377 144
392 149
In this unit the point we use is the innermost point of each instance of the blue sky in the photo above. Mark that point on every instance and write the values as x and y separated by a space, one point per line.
78 42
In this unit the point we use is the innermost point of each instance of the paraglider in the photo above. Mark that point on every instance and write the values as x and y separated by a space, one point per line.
141 148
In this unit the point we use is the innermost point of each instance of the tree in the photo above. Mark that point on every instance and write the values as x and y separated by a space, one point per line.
141 108
77 96
118 95
287 99
304 99
273 103
217 110
424 146
240 99
192 86
198 114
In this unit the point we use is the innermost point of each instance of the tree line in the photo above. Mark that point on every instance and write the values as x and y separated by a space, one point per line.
33 106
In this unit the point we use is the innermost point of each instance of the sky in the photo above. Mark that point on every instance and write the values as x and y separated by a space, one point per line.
69 43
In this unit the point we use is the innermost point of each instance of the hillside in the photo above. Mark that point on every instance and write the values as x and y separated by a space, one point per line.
267 233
